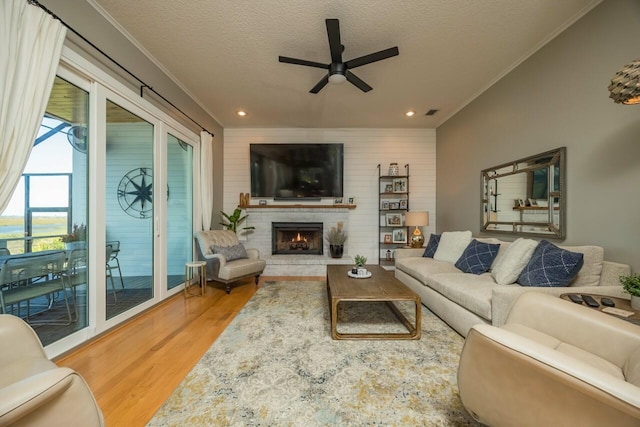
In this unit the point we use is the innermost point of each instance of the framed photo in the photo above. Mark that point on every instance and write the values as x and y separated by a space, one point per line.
338 202
394 205
400 185
262 202
404 203
521 202
533 202
394 219
387 238
384 205
351 200
400 236
388 188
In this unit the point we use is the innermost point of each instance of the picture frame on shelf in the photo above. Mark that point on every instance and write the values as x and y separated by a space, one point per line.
388 188
384 205
387 238
399 236
351 200
400 185
394 220
338 201
404 203
394 205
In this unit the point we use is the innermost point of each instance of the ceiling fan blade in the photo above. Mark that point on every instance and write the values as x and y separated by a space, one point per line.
372 57
335 46
322 83
360 84
302 62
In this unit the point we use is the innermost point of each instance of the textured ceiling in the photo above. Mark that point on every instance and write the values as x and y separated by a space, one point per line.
225 54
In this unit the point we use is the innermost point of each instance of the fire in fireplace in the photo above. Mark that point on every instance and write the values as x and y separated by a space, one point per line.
296 238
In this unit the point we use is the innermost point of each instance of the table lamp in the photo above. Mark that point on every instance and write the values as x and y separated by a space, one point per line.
417 219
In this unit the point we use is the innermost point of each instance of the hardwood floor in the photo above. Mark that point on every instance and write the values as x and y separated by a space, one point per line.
133 369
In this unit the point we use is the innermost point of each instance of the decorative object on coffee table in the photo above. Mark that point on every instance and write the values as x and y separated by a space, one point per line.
631 285
336 238
416 219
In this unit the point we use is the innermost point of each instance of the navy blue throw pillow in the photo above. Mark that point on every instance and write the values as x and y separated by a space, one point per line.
432 245
477 257
551 266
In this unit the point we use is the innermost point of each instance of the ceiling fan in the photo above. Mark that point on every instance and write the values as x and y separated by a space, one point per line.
338 70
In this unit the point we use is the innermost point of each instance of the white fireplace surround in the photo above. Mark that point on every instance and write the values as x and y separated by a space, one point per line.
294 265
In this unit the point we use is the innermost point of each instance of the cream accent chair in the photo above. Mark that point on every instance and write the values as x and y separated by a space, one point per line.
552 363
33 390
220 269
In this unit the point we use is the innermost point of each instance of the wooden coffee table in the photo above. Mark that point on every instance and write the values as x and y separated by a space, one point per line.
381 286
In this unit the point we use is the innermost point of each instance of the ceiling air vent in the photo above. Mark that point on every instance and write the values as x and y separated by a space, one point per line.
431 112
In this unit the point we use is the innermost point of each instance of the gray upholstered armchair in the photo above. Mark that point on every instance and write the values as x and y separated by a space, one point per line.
33 390
227 259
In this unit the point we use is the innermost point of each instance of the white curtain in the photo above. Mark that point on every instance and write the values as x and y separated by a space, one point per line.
206 178
29 55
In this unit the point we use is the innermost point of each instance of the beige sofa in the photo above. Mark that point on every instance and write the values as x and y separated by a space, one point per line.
553 363
463 300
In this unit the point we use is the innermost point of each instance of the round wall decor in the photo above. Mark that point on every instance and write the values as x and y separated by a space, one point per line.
135 193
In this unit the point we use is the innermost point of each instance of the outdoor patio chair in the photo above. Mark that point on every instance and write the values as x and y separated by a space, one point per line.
108 268
115 250
227 259
29 276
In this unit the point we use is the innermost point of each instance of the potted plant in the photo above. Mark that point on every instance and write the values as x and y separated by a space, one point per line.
77 238
233 220
631 285
360 260
336 238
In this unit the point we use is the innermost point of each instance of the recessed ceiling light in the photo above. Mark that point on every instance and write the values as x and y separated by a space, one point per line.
242 113
409 113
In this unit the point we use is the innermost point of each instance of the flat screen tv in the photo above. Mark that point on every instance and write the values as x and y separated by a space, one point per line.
296 171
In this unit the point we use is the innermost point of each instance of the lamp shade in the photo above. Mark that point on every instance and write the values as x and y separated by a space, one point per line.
416 219
625 85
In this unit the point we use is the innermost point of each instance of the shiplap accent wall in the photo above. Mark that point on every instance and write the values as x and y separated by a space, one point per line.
364 149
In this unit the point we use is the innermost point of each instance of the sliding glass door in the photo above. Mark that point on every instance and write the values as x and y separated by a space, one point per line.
179 209
47 216
129 210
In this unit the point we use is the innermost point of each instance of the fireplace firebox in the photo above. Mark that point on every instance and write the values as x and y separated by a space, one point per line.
296 238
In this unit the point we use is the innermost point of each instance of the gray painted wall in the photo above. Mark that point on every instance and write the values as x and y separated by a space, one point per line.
558 97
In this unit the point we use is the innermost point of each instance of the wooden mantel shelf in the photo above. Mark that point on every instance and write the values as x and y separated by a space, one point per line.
297 206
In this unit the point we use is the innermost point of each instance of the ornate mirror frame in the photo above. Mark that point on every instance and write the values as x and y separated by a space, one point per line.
515 196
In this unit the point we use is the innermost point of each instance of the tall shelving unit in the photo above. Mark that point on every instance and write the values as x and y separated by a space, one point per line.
393 204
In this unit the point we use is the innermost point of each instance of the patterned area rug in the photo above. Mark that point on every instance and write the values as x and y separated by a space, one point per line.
276 365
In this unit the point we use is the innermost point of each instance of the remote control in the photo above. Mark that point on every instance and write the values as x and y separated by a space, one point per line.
588 299
607 302
575 298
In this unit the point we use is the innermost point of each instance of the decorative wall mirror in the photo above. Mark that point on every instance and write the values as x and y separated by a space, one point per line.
527 196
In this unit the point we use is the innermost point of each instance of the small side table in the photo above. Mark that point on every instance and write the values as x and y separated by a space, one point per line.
190 268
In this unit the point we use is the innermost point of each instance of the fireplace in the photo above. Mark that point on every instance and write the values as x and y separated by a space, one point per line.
296 238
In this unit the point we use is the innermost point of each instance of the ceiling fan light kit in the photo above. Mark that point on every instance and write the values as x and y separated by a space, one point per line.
338 71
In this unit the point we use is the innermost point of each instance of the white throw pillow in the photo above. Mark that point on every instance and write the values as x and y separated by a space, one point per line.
508 266
452 244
